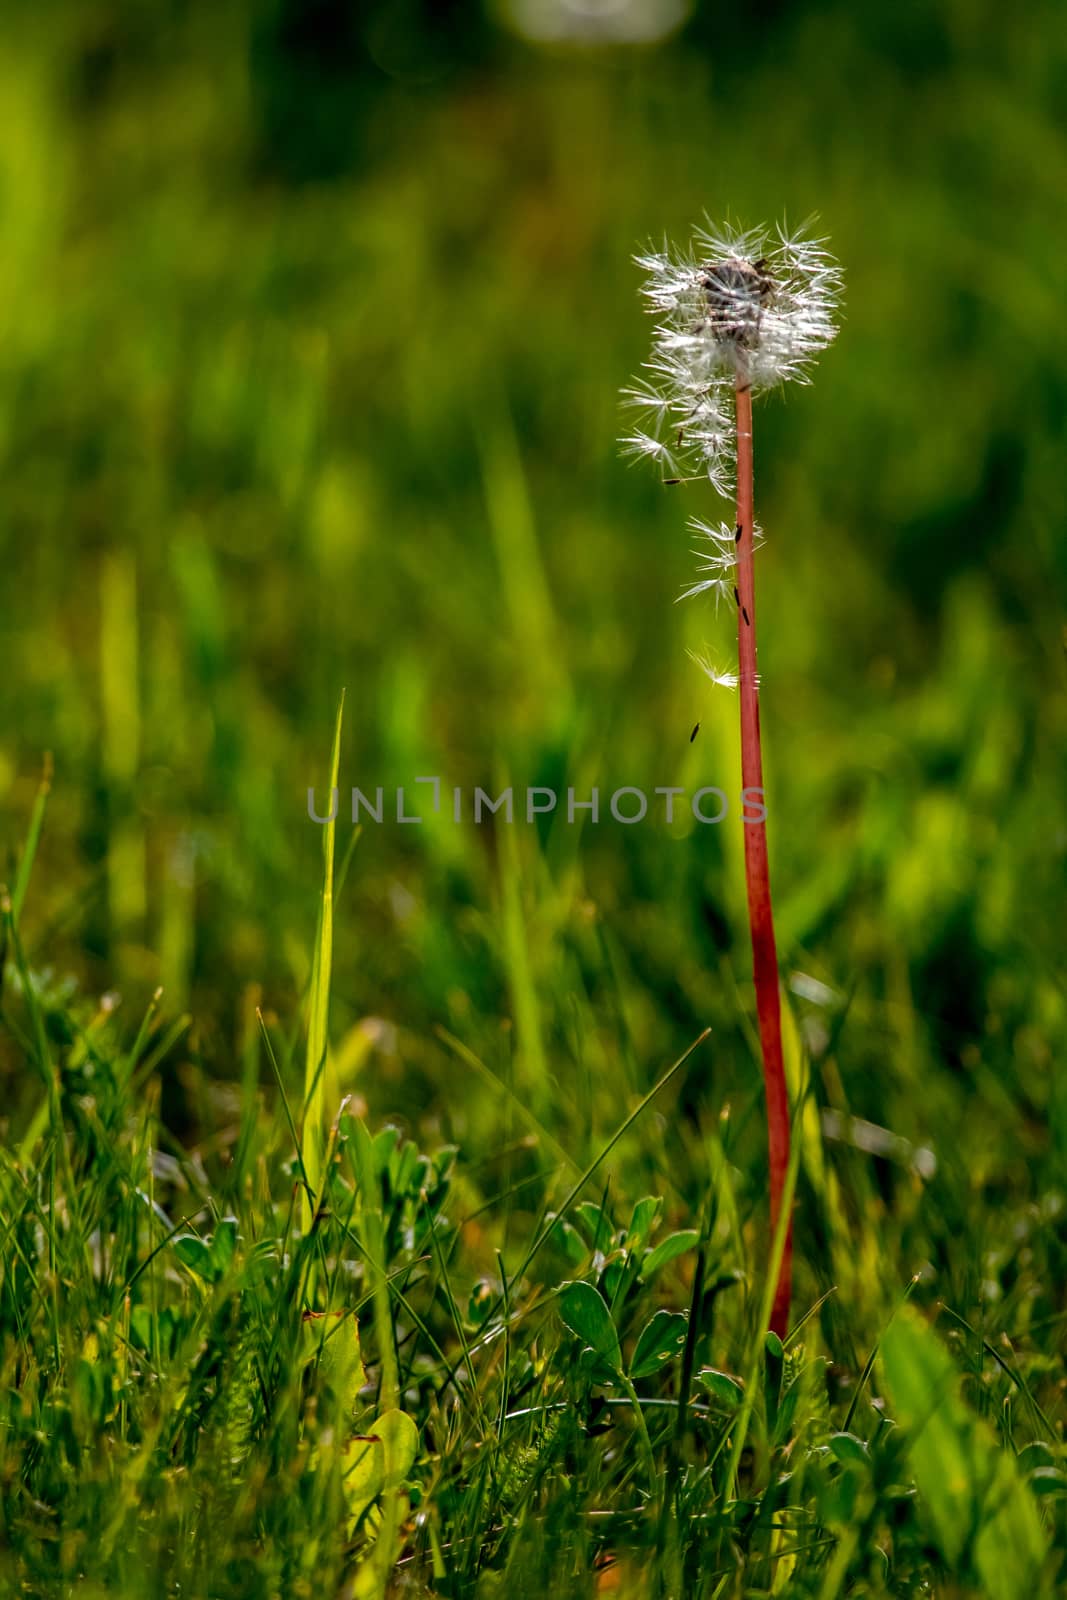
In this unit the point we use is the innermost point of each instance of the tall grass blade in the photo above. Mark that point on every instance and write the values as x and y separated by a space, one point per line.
319 997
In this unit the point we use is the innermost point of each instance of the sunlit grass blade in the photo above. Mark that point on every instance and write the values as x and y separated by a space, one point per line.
319 997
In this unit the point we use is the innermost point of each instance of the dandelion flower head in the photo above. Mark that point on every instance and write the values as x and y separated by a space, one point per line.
747 308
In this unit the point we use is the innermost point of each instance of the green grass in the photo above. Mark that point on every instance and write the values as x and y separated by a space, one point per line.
308 380
571 1390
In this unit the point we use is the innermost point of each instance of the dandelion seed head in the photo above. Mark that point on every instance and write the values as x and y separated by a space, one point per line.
738 306
746 305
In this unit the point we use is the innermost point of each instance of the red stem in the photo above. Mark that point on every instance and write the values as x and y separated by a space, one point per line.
757 876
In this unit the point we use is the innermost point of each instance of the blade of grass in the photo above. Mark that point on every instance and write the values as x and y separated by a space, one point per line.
319 999
622 1129
33 839
517 1103
869 1365
389 1390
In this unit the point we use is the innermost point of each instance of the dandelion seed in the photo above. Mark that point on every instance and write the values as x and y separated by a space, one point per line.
640 444
720 534
649 401
722 680
719 587
718 565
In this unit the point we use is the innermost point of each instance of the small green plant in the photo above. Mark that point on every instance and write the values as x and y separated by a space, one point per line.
180 1416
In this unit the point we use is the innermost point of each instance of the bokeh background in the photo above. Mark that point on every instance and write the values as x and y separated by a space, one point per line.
313 320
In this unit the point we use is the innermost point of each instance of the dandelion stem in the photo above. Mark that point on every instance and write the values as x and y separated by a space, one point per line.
757 875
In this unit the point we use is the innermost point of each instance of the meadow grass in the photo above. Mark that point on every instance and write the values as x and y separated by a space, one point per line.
541 1372
292 402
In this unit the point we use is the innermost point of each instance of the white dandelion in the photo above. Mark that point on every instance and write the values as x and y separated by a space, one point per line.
739 312
741 304
738 307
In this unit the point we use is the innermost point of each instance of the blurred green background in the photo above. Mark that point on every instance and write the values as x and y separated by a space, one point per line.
314 319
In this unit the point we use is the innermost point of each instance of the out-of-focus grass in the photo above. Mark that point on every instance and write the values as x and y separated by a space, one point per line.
309 356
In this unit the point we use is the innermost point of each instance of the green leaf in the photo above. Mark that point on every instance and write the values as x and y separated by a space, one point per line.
923 1383
208 1258
675 1244
569 1241
774 1362
585 1313
611 1280
849 1449
787 1410
400 1440
386 1157
971 1490
363 1474
1048 1480
662 1338
406 1182
596 1224
1011 1544
376 1462
223 1245
195 1254
141 1319
163 1324
642 1222
1034 1455
729 1390
333 1336
596 1369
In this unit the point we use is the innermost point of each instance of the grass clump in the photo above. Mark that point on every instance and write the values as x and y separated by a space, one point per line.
435 1388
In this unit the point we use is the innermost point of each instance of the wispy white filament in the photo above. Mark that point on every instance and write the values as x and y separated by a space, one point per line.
739 306
717 561
722 679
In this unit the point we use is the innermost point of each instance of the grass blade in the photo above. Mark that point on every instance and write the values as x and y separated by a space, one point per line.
319 998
